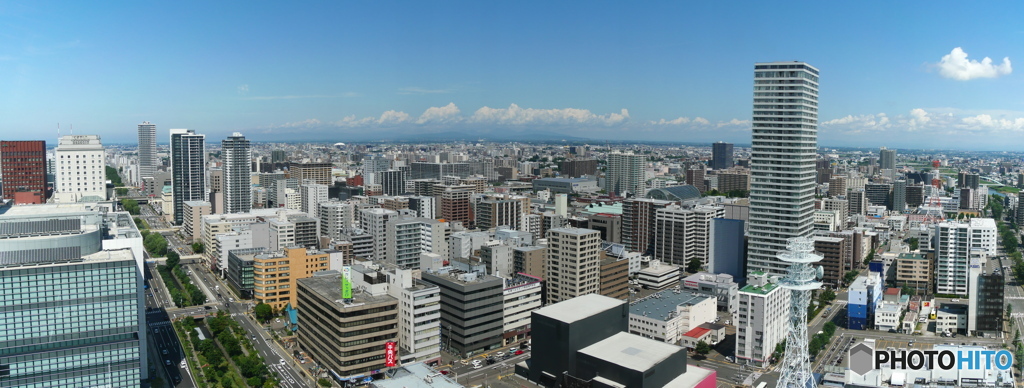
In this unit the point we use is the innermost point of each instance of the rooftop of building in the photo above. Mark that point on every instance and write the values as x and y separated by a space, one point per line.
566 180
328 285
675 193
579 307
697 332
631 351
707 277
911 256
463 277
603 208
528 248
661 269
417 375
662 305
573 231
762 290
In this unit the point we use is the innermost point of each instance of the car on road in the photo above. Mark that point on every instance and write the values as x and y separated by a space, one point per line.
500 354
156 330
208 307
477 366
518 352
167 362
954 300
512 349
282 361
446 372
164 351
254 337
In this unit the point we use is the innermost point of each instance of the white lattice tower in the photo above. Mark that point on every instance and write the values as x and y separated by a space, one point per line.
801 280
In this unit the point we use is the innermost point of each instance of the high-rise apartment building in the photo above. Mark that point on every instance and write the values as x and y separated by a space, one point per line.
335 217
682 233
733 179
318 172
899 196
312 195
371 166
721 156
498 211
958 246
575 168
878 193
857 200
573 263
408 237
783 155
625 174
188 168
638 215
886 159
23 169
836 186
695 177
81 170
392 182
147 150
236 152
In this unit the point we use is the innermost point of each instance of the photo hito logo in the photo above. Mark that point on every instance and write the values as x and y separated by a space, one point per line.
864 358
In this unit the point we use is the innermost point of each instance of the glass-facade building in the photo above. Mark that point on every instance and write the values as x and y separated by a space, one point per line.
71 324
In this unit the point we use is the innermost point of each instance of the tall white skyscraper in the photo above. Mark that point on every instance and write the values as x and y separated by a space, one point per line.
147 150
887 159
80 168
188 168
237 186
625 174
784 145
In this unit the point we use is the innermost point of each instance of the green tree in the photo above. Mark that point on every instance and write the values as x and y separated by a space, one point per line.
131 206
850 276
263 312
113 176
871 256
172 259
198 297
1016 337
827 296
121 191
1009 310
906 290
693 266
229 342
324 382
913 243
197 247
702 348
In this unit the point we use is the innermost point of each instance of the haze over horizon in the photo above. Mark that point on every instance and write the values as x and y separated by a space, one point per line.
898 75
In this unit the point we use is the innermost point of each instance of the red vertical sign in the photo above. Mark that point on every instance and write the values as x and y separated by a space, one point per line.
390 353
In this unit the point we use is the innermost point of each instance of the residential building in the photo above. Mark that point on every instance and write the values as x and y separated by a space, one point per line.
833 251
529 260
721 156
335 218
575 168
472 315
345 336
424 206
275 274
733 179
639 221
311 195
373 165
23 168
192 218
614 277
236 152
147 150
899 196
498 211
683 233
857 201
392 182
419 310
878 194
915 271
520 298
695 177
81 169
375 221
573 263
837 186
454 203
610 226
188 166
956 245
782 164
762 321
988 302
424 170
667 315
625 174
886 159
319 173
408 237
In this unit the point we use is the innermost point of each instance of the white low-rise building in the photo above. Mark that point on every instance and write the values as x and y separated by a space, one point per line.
667 315
887 316
659 276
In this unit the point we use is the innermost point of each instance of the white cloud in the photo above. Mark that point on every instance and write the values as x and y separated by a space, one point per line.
445 114
987 122
955 65
676 121
393 117
261 98
515 115
243 89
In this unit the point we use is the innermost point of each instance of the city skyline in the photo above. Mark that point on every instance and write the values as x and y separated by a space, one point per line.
360 72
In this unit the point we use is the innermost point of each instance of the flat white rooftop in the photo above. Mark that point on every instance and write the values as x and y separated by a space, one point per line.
579 307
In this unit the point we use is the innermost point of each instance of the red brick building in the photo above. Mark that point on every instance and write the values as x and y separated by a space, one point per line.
23 165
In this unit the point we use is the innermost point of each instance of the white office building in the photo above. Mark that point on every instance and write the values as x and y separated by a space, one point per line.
375 221
783 154
762 321
147 150
81 169
522 295
667 315
408 237
311 195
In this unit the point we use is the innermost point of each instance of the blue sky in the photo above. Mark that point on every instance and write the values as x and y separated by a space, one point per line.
677 71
